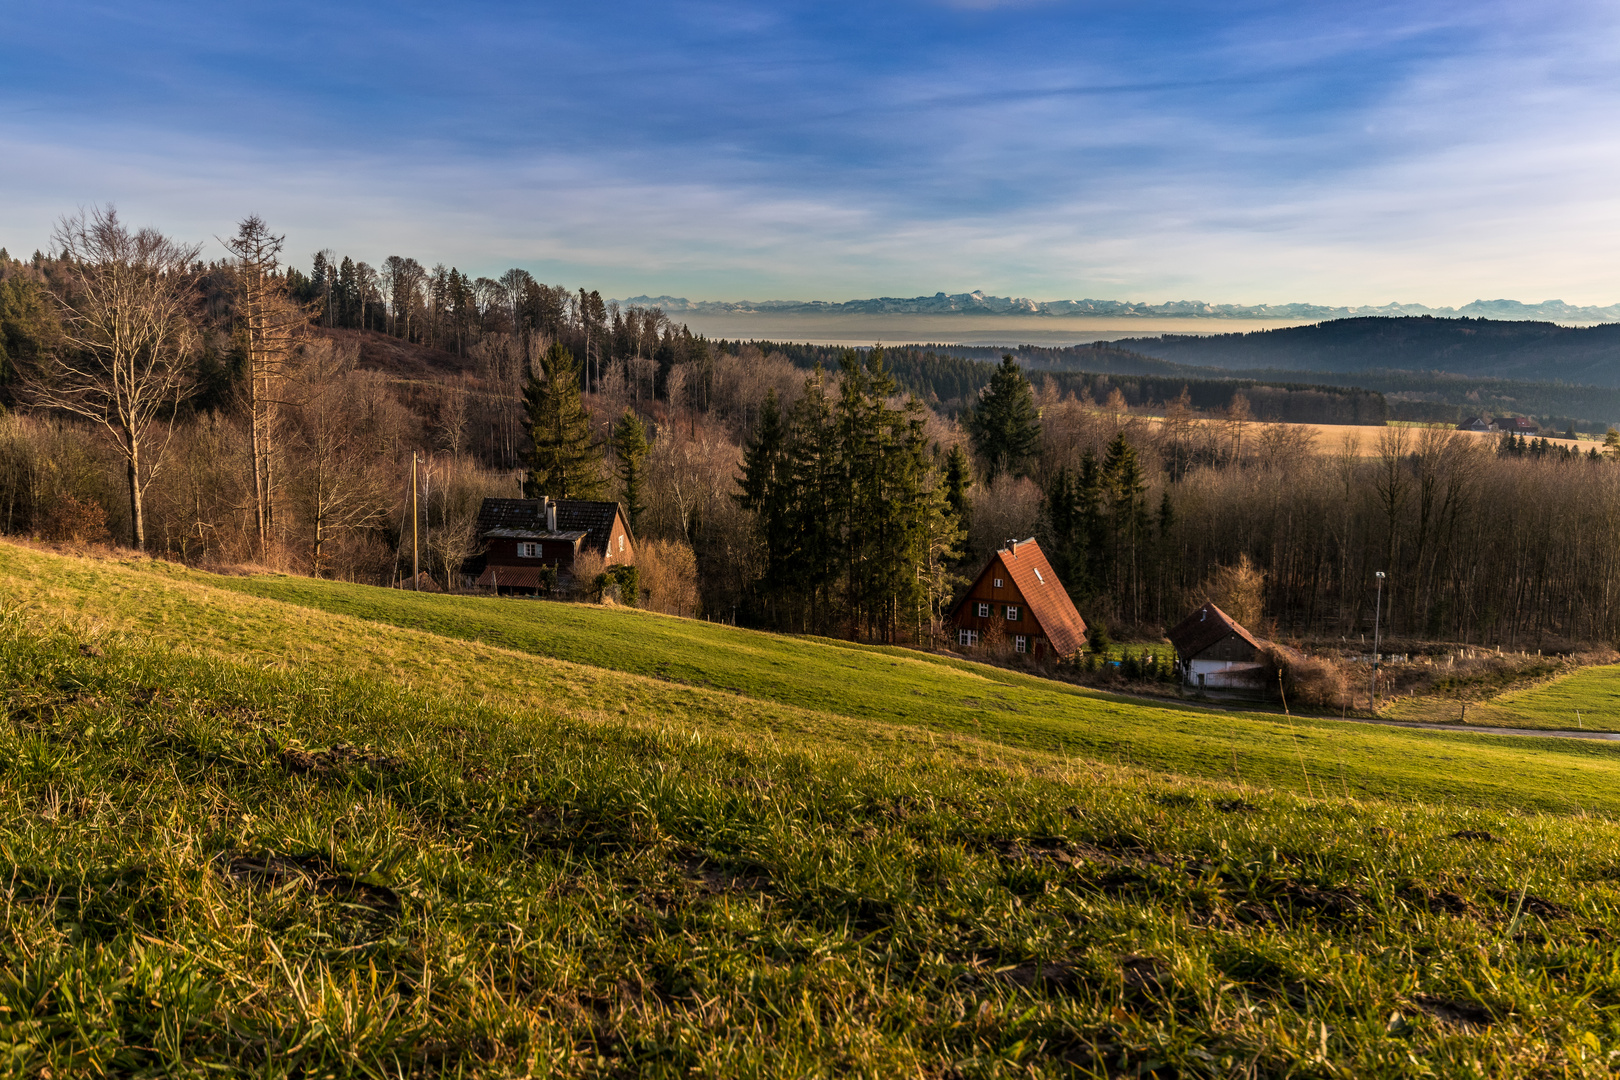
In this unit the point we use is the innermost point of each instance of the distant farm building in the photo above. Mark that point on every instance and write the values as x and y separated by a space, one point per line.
522 537
1478 423
1018 605
1518 425
1216 653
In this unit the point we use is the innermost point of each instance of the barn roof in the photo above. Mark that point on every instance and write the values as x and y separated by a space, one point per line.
1043 594
1204 628
527 518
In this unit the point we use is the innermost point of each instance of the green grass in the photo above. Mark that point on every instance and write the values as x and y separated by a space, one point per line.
244 836
1587 698
808 691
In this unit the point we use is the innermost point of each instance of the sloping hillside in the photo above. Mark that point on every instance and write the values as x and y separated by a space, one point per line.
1535 351
354 832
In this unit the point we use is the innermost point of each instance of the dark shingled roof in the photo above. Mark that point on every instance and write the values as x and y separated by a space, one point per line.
1204 628
594 519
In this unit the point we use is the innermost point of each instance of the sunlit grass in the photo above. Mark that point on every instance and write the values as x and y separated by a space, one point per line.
244 836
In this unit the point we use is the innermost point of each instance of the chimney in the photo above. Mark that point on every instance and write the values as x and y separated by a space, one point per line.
551 515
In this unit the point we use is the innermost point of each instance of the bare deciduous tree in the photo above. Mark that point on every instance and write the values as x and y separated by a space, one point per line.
339 485
270 319
124 363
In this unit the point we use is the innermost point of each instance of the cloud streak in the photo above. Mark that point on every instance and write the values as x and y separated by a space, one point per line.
1261 153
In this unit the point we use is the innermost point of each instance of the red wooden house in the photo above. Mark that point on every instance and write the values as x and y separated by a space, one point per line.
1018 605
520 536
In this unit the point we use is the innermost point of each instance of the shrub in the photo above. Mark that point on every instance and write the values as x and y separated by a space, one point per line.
1310 681
669 578
622 584
77 522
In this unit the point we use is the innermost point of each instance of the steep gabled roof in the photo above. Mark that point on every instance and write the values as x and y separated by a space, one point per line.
527 517
1044 595
1203 628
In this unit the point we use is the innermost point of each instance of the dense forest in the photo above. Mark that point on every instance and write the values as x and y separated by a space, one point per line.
1493 347
1421 394
268 417
952 383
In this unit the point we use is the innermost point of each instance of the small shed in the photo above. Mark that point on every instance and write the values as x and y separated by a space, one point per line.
1216 653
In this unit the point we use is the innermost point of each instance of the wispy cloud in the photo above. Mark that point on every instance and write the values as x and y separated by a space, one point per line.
1425 152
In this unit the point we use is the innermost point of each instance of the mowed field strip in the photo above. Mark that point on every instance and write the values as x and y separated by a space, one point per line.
654 669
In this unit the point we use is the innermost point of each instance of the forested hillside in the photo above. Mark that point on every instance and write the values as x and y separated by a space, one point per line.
950 378
797 487
1420 394
1536 351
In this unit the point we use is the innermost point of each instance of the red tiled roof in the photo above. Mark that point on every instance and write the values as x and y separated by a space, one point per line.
1048 602
1202 629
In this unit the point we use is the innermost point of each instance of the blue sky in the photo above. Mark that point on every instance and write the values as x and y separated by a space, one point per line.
1235 152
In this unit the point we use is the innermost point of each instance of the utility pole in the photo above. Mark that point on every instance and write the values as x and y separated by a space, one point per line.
415 569
1377 612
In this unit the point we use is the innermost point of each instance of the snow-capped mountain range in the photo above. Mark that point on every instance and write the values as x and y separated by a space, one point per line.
977 303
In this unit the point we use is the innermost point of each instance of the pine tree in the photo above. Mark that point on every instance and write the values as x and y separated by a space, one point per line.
563 463
630 441
1006 426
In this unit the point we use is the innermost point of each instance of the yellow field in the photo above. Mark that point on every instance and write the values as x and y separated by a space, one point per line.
1363 440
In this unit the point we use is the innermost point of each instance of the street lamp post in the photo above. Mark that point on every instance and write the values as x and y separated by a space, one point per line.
1378 610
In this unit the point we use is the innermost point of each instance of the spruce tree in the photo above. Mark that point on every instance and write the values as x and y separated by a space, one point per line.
563 462
1006 426
767 491
815 516
958 480
1125 486
630 441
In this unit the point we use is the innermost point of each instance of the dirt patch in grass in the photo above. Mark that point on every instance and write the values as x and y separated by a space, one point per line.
299 762
1468 1015
307 870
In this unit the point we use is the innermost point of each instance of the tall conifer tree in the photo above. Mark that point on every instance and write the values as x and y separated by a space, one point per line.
563 462
767 491
1006 425
630 442
958 481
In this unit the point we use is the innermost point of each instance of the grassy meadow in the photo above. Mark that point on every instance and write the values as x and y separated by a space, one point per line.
272 827
1587 698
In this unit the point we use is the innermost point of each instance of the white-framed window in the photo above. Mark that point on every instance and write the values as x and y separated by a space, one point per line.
621 541
1020 643
1012 612
528 551
984 611
998 583
967 638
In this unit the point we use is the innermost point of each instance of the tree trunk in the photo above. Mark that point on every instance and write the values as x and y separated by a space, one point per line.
137 521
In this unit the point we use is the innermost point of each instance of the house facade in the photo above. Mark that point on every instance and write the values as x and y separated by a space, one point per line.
523 539
1216 653
1017 605
1478 423
1518 425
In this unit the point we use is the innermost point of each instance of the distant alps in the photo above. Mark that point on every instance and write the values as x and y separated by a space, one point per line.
978 303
